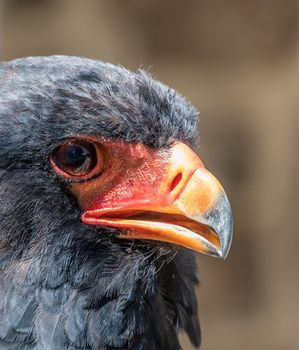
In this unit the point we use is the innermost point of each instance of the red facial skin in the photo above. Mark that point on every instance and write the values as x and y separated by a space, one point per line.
134 176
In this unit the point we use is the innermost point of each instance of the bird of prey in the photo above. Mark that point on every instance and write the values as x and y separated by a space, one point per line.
102 203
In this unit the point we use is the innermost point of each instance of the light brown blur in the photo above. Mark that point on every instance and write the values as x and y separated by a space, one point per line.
236 61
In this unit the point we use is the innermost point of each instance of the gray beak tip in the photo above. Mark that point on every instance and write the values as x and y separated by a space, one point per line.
221 220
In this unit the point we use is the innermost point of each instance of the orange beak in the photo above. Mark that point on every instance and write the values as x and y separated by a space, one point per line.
171 198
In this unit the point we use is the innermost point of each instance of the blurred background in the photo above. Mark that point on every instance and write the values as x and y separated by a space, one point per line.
237 62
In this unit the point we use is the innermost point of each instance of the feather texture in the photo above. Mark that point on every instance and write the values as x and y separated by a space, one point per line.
65 285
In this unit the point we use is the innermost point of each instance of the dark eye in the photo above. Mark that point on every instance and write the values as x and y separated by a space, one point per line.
76 157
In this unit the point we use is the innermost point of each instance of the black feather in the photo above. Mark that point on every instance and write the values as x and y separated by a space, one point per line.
64 285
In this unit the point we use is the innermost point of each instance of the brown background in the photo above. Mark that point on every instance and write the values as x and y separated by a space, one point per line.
236 61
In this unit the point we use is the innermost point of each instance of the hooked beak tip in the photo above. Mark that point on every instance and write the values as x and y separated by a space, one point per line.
221 220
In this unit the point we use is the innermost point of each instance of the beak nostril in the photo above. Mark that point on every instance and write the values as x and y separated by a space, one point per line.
177 179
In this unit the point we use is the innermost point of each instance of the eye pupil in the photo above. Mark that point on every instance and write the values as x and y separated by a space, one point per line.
76 157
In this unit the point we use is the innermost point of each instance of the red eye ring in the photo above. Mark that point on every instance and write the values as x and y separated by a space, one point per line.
77 159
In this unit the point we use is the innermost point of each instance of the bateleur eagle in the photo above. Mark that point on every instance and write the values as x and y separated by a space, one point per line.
102 201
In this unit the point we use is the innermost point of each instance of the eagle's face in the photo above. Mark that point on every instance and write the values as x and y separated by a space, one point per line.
100 191
95 144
